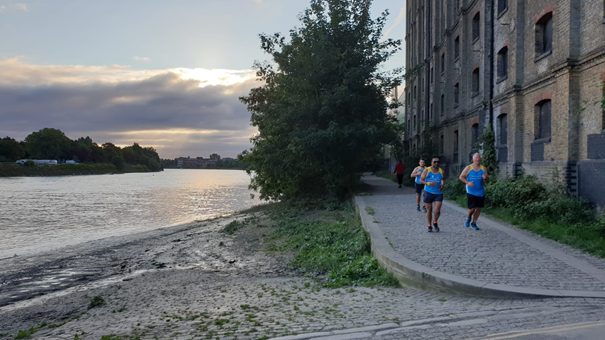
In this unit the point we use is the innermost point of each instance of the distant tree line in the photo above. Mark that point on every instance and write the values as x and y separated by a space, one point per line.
51 143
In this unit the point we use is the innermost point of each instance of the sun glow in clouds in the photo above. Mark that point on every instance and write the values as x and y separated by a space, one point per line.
16 71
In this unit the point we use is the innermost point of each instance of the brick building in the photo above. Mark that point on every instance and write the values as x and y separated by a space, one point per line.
533 70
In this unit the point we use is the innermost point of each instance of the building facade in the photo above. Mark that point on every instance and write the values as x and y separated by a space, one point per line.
534 71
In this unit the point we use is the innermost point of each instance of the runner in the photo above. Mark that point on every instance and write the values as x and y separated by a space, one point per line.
433 181
416 173
474 176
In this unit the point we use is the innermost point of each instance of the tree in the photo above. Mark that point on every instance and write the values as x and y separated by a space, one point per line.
10 150
48 143
321 113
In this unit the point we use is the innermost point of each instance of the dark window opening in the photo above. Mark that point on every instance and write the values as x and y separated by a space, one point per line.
474 134
456 94
456 146
457 47
502 130
442 62
502 5
502 63
476 28
475 81
543 119
544 35
442 104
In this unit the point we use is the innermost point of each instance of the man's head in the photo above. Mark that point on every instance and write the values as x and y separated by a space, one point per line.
421 162
476 158
435 162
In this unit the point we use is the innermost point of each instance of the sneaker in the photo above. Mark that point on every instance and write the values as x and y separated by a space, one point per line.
474 225
424 209
467 223
430 229
436 226
418 208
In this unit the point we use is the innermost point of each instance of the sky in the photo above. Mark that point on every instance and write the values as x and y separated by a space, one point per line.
166 74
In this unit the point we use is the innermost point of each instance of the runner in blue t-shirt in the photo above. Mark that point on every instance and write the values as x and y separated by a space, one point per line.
433 181
419 186
474 176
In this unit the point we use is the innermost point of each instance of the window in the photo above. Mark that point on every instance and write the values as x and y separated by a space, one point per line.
476 26
475 81
457 47
502 130
544 35
456 94
442 104
543 119
502 5
456 146
441 145
431 75
414 126
442 62
475 134
502 60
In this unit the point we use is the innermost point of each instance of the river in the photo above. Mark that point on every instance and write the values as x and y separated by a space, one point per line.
39 214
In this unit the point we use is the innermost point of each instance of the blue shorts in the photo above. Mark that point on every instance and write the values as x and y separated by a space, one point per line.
430 198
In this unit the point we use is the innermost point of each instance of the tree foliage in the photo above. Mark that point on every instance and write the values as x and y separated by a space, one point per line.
321 113
51 143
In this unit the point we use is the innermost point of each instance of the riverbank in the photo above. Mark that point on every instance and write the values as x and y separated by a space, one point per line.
14 170
223 278
233 278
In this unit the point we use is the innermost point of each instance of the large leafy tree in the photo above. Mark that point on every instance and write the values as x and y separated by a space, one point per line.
321 113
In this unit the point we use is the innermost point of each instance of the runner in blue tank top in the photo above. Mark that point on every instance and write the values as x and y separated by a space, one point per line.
474 176
419 186
433 181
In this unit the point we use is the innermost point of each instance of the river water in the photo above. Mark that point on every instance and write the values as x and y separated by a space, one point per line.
38 214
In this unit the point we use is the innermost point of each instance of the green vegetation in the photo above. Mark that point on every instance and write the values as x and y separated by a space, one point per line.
53 144
544 209
96 301
327 241
322 113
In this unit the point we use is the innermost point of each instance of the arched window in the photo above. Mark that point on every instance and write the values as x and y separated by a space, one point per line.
475 134
457 47
502 63
456 146
456 94
475 81
502 5
476 28
502 129
442 104
543 119
544 35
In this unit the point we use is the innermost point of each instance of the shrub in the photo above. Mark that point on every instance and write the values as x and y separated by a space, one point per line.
454 188
515 193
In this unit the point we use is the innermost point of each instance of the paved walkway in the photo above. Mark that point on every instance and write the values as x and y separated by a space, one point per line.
497 260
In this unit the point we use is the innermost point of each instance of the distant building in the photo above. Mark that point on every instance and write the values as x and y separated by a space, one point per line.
196 163
532 70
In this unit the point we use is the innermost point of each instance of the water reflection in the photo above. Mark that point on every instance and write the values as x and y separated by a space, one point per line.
42 213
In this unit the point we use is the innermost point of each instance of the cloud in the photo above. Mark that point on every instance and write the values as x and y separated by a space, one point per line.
194 111
16 7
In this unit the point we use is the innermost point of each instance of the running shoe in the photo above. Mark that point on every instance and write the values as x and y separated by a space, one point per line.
418 208
436 226
475 226
430 229
467 223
